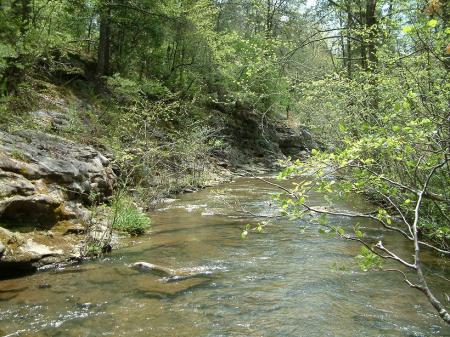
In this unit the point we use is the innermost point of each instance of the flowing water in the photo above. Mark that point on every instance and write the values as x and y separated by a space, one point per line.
287 281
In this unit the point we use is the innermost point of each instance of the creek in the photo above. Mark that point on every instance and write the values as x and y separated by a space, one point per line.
289 280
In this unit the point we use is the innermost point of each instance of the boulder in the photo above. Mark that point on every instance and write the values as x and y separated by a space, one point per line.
50 120
14 184
38 211
39 251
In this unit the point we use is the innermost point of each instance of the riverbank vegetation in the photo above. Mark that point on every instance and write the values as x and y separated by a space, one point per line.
163 85
175 89
388 126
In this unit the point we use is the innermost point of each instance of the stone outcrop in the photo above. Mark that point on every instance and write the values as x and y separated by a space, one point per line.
260 136
293 142
46 184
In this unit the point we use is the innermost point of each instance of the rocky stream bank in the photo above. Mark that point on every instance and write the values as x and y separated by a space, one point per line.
48 184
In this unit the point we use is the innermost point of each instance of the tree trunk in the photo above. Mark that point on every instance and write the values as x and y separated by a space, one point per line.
371 24
349 41
446 22
269 19
103 56
341 40
22 9
363 47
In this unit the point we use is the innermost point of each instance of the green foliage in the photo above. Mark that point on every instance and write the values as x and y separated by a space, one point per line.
386 129
367 260
93 249
125 89
128 218
258 228
198 49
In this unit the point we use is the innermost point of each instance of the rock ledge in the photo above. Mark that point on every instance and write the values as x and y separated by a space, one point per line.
46 185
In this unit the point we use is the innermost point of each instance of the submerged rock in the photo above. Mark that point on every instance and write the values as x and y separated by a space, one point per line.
153 268
154 289
46 183
171 275
172 283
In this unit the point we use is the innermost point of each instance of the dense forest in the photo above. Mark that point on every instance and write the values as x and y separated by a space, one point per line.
175 89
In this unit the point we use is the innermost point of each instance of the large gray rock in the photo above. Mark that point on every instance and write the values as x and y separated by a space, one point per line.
46 184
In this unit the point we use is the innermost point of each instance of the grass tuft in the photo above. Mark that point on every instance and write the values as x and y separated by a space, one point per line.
128 218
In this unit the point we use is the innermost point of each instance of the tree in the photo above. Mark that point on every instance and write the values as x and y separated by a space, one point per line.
103 58
391 144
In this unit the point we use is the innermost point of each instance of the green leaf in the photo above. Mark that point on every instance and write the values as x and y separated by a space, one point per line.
432 23
323 219
407 29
